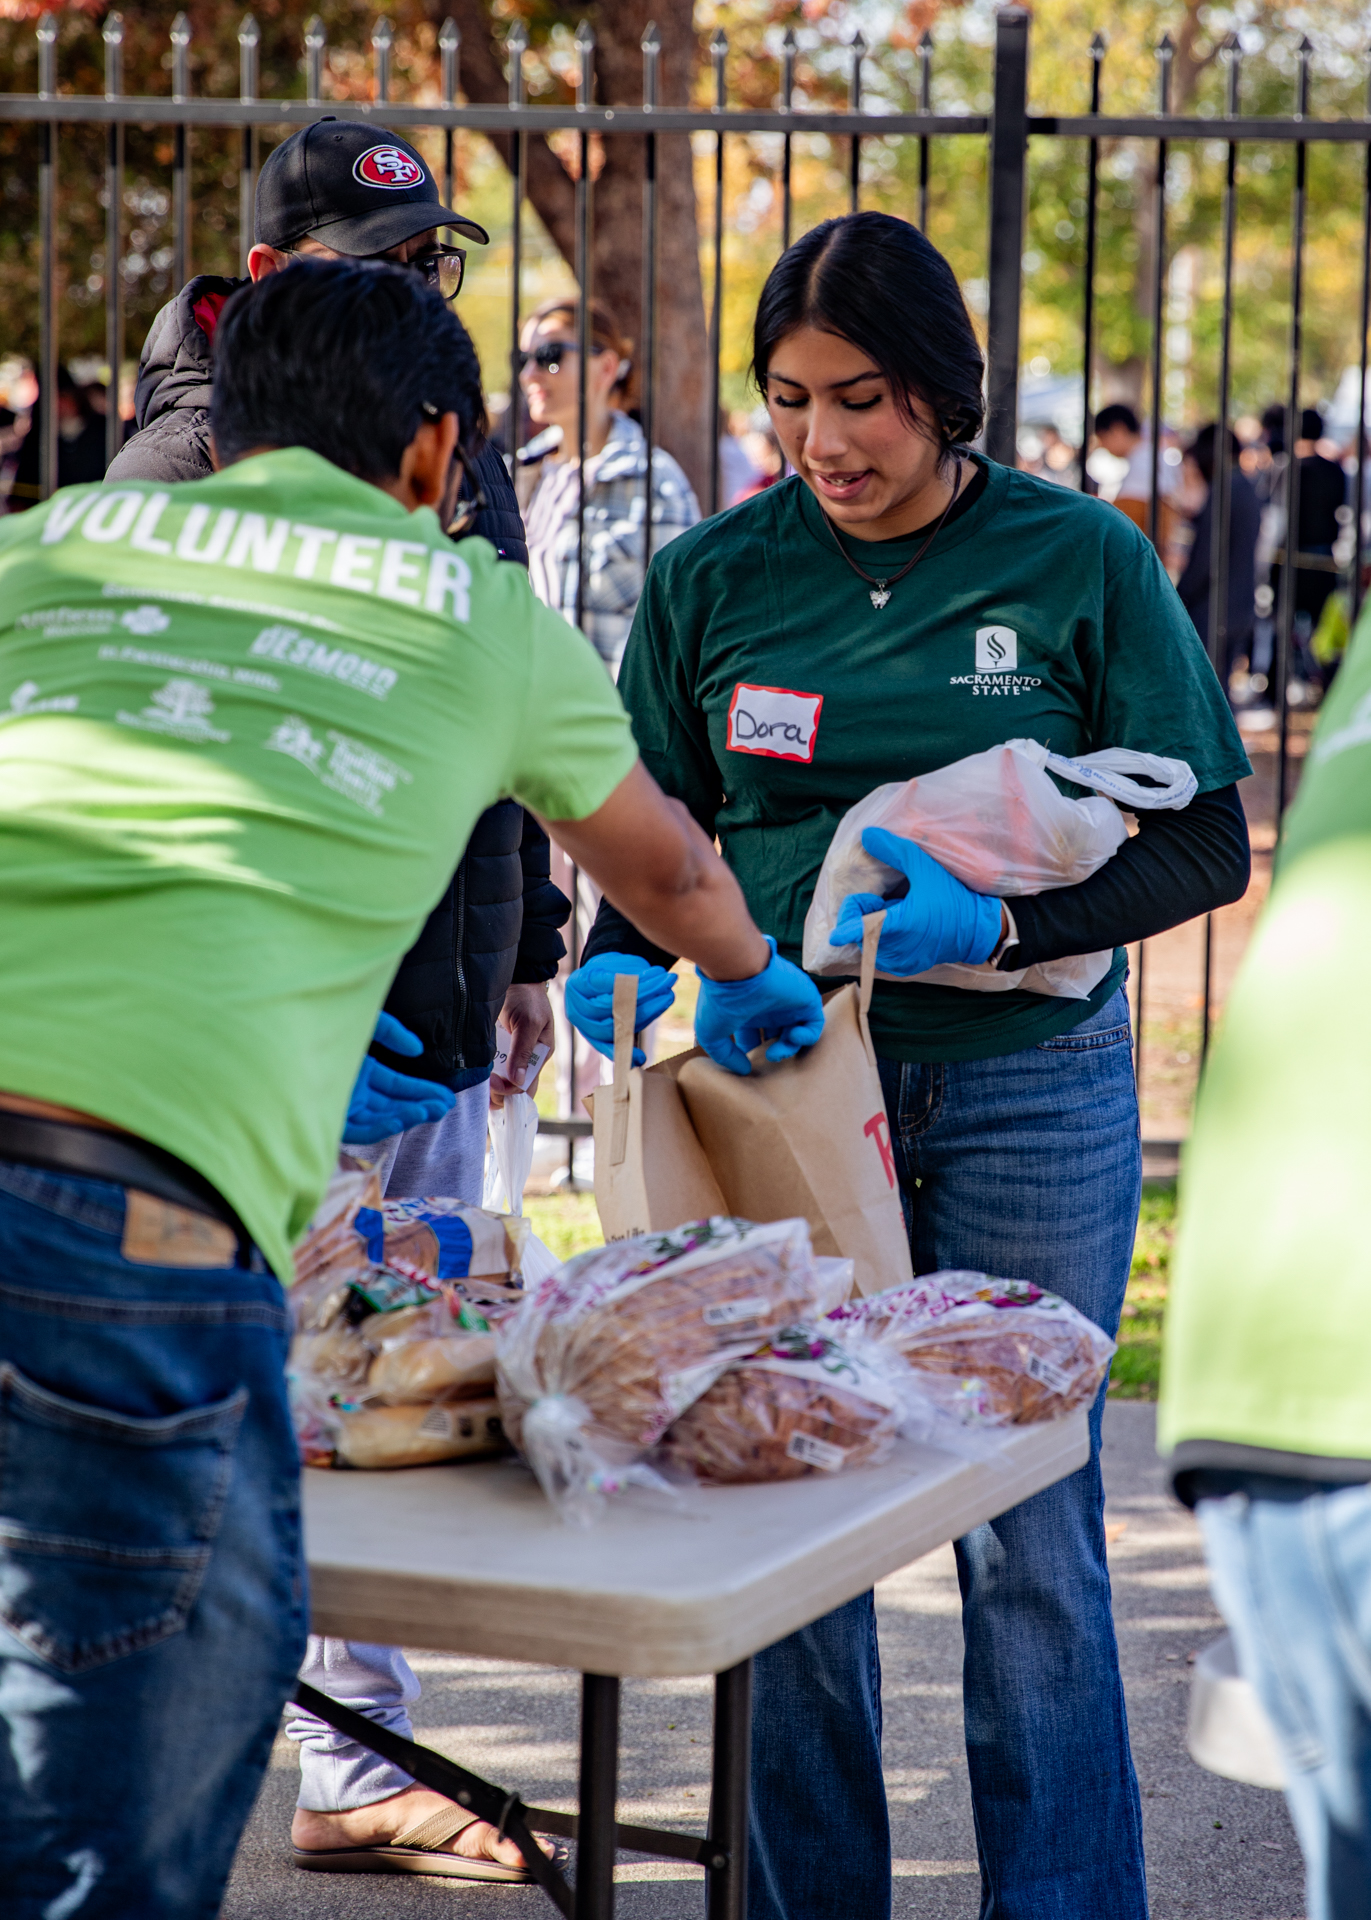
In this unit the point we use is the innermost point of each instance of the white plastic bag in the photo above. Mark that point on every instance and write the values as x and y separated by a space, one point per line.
513 1131
998 822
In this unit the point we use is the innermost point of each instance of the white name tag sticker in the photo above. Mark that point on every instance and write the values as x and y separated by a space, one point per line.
774 721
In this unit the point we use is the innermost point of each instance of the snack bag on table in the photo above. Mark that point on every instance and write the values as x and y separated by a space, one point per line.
393 1361
809 1401
988 1354
605 1353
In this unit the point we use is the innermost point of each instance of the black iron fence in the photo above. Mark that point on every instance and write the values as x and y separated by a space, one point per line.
1009 131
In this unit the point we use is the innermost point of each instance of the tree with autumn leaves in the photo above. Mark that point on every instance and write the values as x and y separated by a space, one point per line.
962 46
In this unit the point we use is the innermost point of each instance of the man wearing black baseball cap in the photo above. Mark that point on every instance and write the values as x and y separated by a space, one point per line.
339 189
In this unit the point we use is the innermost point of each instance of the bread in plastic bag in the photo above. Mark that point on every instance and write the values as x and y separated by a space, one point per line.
454 1366
999 823
418 1436
1011 1354
807 1402
609 1350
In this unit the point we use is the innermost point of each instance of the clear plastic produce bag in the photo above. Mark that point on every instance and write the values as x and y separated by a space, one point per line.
811 1401
513 1135
1001 825
612 1347
989 1352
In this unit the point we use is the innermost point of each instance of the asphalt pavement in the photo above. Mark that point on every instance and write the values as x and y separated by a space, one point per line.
1215 1850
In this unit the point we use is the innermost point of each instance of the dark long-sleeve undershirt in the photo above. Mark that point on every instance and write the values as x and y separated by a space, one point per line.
1177 866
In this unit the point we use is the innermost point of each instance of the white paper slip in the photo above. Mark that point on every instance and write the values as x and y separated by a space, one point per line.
504 1043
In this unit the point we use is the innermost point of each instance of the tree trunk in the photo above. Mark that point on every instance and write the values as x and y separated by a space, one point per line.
682 385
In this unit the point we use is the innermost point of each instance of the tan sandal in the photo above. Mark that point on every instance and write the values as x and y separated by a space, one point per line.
416 1850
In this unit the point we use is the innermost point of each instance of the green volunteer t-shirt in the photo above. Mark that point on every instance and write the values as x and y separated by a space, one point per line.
770 694
1268 1338
246 727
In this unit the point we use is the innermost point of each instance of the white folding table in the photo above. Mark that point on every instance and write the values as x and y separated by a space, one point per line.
472 1559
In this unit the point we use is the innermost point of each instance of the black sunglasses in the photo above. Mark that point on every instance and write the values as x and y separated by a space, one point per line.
549 354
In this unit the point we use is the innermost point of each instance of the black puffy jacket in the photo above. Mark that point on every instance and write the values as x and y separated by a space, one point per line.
498 920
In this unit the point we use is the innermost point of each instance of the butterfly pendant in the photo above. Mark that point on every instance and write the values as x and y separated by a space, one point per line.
880 597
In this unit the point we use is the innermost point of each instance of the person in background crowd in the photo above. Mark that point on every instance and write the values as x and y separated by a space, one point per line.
1119 431
487 949
80 444
616 467
1323 494
869 608
201 903
1244 525
1265 1413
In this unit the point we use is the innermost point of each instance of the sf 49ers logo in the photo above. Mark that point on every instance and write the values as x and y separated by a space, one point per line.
388 167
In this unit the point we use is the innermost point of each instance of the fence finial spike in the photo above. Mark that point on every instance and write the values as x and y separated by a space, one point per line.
858 43
926 41
180 31
383 34
718 46
789 44
1099 46
1166 47
449 36
651 41
1306 46
584 35
249 33
314 31
516 40
113 30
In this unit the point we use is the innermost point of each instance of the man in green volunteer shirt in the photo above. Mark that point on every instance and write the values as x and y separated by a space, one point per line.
246 725
1266 1382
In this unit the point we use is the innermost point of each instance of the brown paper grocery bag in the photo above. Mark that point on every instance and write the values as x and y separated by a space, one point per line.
810 1137
650 1172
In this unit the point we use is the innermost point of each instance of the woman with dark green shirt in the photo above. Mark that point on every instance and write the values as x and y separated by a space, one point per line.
897 604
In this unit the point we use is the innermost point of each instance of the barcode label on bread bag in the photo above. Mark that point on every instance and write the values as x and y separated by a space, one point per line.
437 1423
729 1313
814 1452
1057 1378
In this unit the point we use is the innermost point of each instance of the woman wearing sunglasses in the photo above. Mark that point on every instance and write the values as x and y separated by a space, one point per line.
897 604
616 468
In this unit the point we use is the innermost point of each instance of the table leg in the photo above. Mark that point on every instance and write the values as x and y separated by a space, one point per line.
726 1886
599 1792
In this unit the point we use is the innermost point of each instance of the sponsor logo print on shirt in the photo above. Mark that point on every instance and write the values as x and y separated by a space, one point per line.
388 167
352 768
997 650
774 721
25 700
334 663
182 708
145 620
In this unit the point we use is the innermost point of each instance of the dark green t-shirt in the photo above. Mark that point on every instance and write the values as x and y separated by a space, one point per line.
770 695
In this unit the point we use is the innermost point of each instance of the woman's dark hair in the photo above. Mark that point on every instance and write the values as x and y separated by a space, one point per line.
875 281
1201 449
344 359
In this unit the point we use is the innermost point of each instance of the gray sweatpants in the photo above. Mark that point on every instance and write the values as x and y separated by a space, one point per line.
445 1157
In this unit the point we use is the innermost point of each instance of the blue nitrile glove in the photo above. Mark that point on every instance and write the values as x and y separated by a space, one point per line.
590 998
733 1016
937 920
384 1102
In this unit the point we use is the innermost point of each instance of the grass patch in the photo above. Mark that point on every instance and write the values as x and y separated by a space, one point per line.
566 1223
1137 1364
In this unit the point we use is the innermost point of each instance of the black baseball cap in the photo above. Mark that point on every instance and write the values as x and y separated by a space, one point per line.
357 189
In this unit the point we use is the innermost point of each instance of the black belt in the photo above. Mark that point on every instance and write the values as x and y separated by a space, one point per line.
64 1146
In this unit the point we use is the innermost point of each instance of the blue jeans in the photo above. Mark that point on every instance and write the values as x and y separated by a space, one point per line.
152 1596
1028 1166
1291 1571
